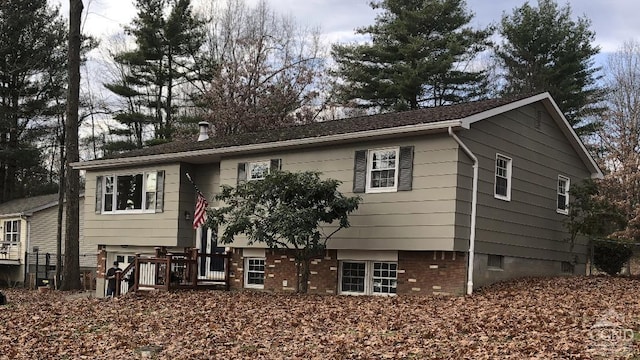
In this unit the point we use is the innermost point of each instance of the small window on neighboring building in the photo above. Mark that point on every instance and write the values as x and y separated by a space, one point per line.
567 267
495 261
503 177
563 194
254 273
12 231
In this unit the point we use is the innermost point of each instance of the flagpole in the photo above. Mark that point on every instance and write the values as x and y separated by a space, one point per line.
199 214
194 184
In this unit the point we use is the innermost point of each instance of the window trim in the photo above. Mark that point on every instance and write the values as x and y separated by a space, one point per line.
499 258
7 233
251 164
567 181
567 268
509 176
369 170
368 277
246 272
143 194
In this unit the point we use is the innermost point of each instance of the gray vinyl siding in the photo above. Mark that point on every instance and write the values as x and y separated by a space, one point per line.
207 178
463 202
528 225
151 229
43 231
420 219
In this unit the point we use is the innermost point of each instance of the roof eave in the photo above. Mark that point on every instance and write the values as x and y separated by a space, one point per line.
319 140
14 215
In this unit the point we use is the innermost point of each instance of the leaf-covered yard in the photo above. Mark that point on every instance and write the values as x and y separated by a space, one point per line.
577 317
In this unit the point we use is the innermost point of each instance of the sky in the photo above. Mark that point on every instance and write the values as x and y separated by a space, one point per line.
614 21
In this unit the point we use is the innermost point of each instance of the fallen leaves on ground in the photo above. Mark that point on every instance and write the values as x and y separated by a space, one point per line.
556 318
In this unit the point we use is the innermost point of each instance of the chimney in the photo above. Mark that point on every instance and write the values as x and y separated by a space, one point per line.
204 131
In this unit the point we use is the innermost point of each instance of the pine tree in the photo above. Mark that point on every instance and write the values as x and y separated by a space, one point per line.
419 55
32 57
168 37
544 49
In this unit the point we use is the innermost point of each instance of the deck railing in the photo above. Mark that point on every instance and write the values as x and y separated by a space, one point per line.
10 250
167 271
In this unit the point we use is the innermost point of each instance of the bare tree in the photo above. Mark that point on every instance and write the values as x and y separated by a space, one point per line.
619 138
267 69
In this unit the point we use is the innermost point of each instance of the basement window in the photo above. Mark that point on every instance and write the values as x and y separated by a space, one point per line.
495 262
368 277
567 267
254 273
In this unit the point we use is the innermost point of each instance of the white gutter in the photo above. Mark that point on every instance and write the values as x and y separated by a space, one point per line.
474 205
12 215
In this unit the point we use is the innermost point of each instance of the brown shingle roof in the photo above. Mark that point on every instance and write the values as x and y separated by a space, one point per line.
334 127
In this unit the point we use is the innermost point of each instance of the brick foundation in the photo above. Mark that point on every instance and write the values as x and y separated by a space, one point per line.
101 266
280 272
431 272
419 272
235 273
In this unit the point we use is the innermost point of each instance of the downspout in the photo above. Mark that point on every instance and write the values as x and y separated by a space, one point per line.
474 205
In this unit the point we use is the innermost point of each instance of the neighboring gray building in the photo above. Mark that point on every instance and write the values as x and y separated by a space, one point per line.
454 197
29 230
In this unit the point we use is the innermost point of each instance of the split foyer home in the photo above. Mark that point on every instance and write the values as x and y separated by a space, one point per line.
29 229
453 198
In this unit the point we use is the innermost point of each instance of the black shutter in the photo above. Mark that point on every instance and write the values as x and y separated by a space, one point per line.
276 165
242 173
160 191
405 176
360 171
98 194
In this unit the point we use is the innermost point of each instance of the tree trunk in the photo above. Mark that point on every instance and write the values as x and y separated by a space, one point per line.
71 270
304 276
61 193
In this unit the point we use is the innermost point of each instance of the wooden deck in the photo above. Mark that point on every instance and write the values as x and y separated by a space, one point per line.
170 271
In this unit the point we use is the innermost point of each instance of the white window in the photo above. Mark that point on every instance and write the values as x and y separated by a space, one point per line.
368 277
130 193
12 231
382 170
258 170
503 178
563 194
254 273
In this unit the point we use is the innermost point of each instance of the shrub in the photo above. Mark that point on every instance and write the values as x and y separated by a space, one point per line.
610 256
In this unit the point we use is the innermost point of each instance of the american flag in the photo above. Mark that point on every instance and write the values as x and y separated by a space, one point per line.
200 215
